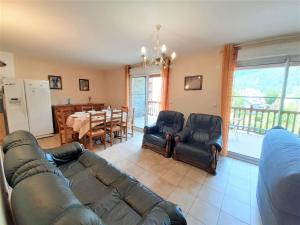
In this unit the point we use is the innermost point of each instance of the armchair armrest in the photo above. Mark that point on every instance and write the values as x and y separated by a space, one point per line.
151 129
217 142
182 136
65 153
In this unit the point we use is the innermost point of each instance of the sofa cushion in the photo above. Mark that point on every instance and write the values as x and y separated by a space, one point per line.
156 139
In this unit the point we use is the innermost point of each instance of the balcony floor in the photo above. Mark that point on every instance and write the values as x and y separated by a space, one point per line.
245 144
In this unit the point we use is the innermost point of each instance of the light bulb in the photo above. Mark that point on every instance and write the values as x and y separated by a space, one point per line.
163 49
173 56
143 51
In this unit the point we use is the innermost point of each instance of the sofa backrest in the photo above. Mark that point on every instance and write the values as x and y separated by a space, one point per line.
204 127
170 121
41 194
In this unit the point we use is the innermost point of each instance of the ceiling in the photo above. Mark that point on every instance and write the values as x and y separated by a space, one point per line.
108 34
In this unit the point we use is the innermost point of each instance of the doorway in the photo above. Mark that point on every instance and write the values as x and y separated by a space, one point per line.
145 98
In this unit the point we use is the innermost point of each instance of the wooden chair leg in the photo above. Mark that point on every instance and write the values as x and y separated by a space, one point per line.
121 135
104 140
91 142
126 133
111 138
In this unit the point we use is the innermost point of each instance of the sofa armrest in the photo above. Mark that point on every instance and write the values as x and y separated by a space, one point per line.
217 142
151 129
64 153
182 136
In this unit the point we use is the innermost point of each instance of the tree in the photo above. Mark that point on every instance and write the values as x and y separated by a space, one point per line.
272 96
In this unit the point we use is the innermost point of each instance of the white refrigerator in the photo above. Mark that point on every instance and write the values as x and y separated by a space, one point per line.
27 106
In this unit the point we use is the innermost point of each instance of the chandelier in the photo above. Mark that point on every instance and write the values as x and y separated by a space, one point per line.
160 58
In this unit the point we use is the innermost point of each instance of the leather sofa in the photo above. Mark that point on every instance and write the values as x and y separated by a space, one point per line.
200 141
278 187
160 137
69 185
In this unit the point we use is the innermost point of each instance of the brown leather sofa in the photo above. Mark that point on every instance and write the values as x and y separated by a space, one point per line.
200 141
160 137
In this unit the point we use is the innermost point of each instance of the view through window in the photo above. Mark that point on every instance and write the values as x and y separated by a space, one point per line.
258 104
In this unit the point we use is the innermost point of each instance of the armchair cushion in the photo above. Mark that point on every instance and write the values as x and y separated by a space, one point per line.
198 136
157 139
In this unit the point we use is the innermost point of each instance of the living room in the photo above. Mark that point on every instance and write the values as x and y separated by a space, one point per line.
165 111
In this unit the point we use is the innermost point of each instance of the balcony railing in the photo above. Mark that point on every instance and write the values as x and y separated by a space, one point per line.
153 108
260 120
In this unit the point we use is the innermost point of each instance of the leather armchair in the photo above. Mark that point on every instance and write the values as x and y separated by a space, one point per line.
160 137
200 141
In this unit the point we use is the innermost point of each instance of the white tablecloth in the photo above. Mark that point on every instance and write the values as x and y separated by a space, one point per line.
81 122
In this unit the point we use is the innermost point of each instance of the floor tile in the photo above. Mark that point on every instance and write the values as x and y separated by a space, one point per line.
162 188
182 198
193 221
236 209
226 219
205 212
211 196
238 194
172 177
190 185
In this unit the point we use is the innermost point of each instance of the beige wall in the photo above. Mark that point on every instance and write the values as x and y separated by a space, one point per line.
39 69
208 100
114 80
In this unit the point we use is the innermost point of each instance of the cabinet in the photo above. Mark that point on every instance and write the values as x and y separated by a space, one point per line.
74 108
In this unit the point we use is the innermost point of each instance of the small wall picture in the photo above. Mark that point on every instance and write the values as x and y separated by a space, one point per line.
84 85
193 82
55 82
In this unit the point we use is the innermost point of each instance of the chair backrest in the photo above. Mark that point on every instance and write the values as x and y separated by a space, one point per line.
61 117
125 116
204 127
131 116
97 121
116 117
170 121
87 108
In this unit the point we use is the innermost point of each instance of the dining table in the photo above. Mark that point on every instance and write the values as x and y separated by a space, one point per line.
80 121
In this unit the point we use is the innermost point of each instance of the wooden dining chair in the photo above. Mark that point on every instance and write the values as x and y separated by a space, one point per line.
130 123
97 128
125 121
114 129
87 108
66 134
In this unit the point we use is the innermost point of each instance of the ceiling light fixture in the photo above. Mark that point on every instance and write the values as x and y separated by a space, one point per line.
160 58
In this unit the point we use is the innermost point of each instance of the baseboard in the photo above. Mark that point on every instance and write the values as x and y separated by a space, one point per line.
244 158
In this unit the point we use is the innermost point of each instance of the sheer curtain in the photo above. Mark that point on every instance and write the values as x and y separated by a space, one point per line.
229 64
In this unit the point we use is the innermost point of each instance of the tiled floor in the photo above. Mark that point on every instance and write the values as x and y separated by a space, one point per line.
225 199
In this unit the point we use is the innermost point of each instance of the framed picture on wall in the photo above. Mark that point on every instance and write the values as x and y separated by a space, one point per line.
55 82
84 85
193 82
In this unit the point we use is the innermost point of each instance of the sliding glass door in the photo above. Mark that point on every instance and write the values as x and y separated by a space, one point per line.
138 100
263 97
145 99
